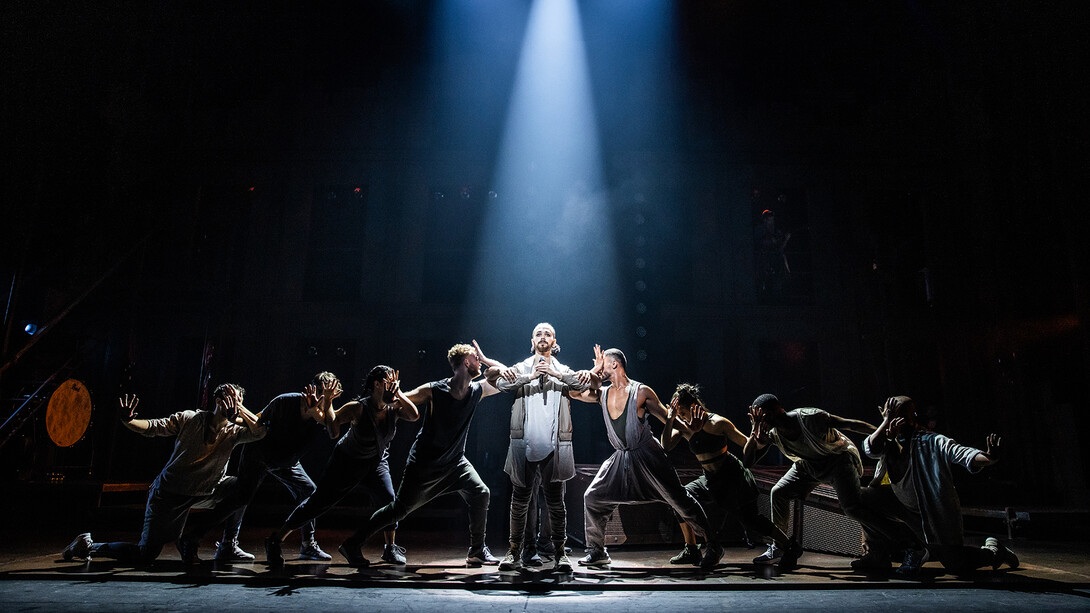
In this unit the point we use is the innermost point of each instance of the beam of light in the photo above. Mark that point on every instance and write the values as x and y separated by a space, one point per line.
545 250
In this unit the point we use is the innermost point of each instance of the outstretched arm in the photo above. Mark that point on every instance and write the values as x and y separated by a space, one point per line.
851 425
717 424
594 376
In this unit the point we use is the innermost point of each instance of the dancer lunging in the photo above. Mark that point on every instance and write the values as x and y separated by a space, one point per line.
359 458
437 464
638 471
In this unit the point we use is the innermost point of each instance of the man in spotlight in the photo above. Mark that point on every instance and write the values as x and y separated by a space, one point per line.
913 492
812 439
194 476
638 471
540 452
437 463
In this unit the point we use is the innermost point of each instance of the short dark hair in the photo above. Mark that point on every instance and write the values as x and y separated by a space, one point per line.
377 373
616 354
767 401
687 393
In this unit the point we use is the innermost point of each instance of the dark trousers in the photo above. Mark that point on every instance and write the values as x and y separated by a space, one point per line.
342 475
421 483
164 517
252 470
731 494
895 527
797 483
538 476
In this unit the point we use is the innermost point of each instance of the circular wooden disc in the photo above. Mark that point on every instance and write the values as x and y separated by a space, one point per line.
68 413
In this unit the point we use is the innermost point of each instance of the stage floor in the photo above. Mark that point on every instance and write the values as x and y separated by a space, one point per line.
436 561
33 576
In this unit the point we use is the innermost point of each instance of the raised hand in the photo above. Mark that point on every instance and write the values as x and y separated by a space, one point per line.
480 354
330 390
887 410
585 378
599 358
391 383
698 417
313 400
231 403
992 450
128 407
895 426
671 411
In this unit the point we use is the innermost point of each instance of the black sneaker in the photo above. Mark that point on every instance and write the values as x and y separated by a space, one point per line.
79 548
771 555
481 557
513 559
351 552
530 557
688 555
913 562
188 548
874 561
596 557
273 555
791 553
713 552
1002 553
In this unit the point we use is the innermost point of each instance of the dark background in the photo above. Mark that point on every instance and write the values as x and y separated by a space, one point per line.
261 182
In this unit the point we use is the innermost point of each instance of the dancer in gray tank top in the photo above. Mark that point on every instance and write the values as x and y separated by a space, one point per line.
638 471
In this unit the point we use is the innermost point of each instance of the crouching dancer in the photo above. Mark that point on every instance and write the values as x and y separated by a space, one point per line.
638 471
820 452
360 457
726 489
194 476
913 491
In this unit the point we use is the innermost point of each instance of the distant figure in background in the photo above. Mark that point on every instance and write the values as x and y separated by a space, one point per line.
437 462
820 452
769 243
540 452
292 421
360 457
638 471
726 489
913 491
194 476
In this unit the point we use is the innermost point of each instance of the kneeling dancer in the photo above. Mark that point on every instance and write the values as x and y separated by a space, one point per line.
194 476
913 491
